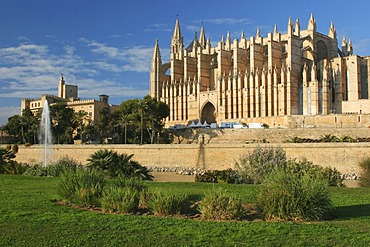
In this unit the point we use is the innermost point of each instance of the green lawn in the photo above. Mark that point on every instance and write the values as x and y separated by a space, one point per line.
29 216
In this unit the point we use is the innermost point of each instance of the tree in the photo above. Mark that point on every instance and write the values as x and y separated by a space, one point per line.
80 118
142 106
14 126
61 117
124 120
104 123
139 115
24 127
156 112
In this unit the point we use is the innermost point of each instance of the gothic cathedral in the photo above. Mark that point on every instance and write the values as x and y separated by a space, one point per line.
301 72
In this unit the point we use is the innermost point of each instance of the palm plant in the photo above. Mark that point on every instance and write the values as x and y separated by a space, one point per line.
118 165
345 139
80 119
142 106
102 159
125 120
328 138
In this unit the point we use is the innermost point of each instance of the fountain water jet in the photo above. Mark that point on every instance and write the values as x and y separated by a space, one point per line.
45 136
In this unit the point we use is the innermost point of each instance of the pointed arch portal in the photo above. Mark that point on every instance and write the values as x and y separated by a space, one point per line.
208 113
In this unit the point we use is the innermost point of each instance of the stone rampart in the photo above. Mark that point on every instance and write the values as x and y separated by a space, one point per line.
343 156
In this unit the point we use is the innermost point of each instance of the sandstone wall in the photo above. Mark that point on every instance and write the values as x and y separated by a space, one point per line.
343 156
240 136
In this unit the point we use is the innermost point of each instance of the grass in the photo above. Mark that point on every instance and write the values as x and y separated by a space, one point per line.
29 216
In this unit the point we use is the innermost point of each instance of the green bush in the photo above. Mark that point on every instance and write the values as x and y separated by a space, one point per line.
220 205
14 167
82 187
120 199
228 176
131 183
54 169
166 203
254 167
118 165
7 162
328 174
285 195
365 172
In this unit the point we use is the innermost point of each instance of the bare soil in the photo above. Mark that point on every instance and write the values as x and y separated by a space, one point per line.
172 177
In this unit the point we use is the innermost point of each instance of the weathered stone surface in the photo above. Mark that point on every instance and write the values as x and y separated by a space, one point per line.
343 156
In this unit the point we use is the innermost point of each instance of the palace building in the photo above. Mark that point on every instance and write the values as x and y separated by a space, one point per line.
69 95
298 73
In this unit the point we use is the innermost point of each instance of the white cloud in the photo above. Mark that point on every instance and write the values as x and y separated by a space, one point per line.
158 27
361 47
228 21
6 112
135 58
30 70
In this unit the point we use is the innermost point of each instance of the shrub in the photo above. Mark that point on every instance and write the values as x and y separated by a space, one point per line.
14 167
220 205
116 165
120 199
82 187
330 175
365 172
131 183
54 169
228 176
7 155
285 195
166 203
329 138
253 167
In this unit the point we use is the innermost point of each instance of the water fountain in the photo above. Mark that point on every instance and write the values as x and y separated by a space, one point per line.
45 136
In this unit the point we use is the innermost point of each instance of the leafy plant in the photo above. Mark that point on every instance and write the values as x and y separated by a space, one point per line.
54 169
221 205
120 199
166 203
329 138
7 163
304 167
253 167
346 139
131 183
285 195
115 165
83 187
228 176
365 172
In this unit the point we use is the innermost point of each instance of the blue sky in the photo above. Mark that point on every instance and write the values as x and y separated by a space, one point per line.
105 47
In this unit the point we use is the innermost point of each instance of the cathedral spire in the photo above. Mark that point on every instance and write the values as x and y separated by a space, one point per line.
177 31
297 29
350 47
157 52
242 35
177 39
332 31
290 26
258 33
202 37
155 72
312 23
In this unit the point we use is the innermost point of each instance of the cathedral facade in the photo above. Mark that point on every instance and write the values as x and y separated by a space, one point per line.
301 72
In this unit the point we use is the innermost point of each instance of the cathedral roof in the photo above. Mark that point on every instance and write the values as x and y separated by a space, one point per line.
194 43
